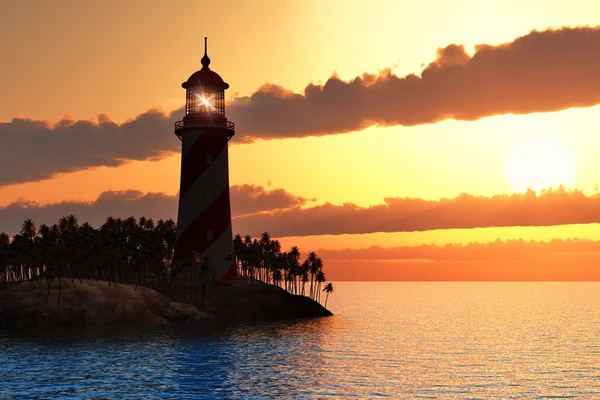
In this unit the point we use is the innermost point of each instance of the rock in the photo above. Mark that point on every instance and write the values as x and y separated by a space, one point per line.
88 303
260 302
95 303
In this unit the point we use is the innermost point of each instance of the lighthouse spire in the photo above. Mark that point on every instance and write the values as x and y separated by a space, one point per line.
205 60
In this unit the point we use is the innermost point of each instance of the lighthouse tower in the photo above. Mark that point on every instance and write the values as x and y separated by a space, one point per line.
204 217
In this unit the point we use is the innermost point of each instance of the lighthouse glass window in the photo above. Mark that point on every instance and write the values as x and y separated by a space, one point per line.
205 101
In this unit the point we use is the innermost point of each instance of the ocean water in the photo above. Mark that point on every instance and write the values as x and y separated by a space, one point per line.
397 340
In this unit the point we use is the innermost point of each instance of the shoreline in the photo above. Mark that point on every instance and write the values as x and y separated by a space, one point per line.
94 304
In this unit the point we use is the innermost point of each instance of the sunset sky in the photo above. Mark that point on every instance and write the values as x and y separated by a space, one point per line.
396 124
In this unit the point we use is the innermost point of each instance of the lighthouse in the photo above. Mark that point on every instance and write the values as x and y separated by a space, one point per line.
204 215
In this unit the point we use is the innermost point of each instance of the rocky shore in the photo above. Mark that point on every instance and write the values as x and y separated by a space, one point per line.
95 303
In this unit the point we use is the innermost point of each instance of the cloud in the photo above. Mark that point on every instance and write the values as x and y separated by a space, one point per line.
35 150
553 207
539 72
252 199
512 260
561 267
282 214
245 199
498 250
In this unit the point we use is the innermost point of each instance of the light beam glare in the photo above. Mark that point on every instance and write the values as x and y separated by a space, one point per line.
205 100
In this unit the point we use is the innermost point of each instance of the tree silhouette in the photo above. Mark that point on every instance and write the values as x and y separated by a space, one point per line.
140 253
328 289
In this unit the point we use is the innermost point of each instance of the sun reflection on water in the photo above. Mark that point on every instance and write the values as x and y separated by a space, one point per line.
402 340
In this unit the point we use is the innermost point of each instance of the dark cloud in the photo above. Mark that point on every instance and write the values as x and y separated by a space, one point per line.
554 207
539 72
251 199
245 199
110 203
36 150
280 213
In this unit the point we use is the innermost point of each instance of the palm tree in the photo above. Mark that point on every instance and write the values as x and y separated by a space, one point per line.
273 250
238 250
265 251
138 252
304 269
328 289
320 278
28 230
72 222
27 258
277 276
294 257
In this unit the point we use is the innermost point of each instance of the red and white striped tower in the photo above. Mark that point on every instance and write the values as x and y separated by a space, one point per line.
204 217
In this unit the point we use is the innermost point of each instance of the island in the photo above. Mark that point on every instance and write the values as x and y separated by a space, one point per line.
89 303
125 272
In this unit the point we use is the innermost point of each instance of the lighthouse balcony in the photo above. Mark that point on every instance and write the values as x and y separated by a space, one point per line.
204 123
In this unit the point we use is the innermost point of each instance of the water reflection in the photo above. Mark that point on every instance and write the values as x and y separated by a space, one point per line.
477 340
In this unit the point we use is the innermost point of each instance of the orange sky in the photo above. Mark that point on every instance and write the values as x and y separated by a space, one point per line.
123 58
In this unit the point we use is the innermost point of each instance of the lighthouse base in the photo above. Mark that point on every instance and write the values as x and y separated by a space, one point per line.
230 278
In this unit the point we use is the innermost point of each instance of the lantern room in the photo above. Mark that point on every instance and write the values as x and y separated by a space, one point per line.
204 101
205 91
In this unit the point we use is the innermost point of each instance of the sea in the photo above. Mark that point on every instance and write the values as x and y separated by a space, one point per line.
465 340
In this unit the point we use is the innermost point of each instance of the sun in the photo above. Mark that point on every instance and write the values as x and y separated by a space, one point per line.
539 163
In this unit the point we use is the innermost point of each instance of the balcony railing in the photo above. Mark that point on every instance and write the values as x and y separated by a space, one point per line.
204 123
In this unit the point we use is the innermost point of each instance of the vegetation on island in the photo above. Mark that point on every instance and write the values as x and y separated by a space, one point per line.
139 252
263 260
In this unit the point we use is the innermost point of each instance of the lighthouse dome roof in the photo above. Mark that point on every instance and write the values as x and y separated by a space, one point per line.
205 77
